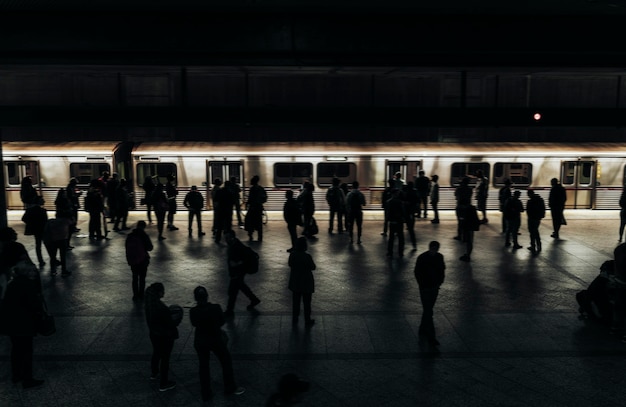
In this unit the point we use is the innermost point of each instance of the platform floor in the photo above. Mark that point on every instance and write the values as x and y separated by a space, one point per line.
507 322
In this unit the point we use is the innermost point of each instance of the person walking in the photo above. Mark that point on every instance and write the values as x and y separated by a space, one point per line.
434 198
239 260
354 208
336 200
430 273
208 319
301 282
21 310
535 211
138 244
292 216
395 212
254 218
35 219
194 202
556 200
163 333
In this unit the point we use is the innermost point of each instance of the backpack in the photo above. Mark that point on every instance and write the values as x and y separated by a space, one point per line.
355 201
251 261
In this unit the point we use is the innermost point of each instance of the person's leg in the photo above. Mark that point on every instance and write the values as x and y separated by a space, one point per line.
38 240
306 299
359 226
155 358
331 220
223 355
167 345
392 232
295 306
233 291
190 221
204 371
135 283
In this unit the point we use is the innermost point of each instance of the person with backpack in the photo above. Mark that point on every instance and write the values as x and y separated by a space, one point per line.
242 260
535 210
354 209
138 244
194 202
301 282
336 199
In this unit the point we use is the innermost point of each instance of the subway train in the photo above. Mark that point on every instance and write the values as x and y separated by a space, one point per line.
592 173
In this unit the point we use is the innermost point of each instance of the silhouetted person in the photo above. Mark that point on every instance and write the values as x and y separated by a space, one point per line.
513 209
434 198
503 195
395 214
535 211
148 186
12 252
238 264
619 290
73 195
55 239
28 193
235 191
292 216
208 319
387 194
223 201
336 200
112 185
470 224
64 210
410 198
122 201
22 309
301 282
35 219
217 185
138 244
254 218
622 215
430 274
307 206
194 202
398 182
463 195
482 193
161 205
354 207
171 191
422 186
95 207
163 333
556 201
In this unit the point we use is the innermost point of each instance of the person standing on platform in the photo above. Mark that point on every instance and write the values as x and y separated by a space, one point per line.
434 198
254 218
336 200
535 210
482 193
111 193
556 201
73 194
307 206
513 209
503 195
148 187
301 281
171 191
422 186
194 202
208 319
395 212
223 203
387 194
55 239
354 208
239 261
468 218
161 205
463 195
235 191
163 333
95 207
122 201
35 219
411 200
430 273
292 216
28 193
138 245
398 182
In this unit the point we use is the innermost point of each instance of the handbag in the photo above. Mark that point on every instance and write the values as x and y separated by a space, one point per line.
46 325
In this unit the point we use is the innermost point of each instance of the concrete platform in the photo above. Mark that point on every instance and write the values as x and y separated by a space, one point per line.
507 322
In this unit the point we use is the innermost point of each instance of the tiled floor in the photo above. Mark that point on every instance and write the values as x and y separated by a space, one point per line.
507 322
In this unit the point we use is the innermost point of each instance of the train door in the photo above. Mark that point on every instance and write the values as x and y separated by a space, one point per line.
579 179
15 171
408 169
224 170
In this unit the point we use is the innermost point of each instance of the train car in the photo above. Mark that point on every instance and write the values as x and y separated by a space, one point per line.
52 164
592 173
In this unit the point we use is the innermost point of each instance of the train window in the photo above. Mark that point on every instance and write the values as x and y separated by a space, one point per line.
520 174
577 173
327 171
289 174
586 173
85 172
16 170
461 170
407 169
569 173
158 170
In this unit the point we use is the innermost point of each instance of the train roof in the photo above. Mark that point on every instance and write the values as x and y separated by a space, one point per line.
380 148
62 148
